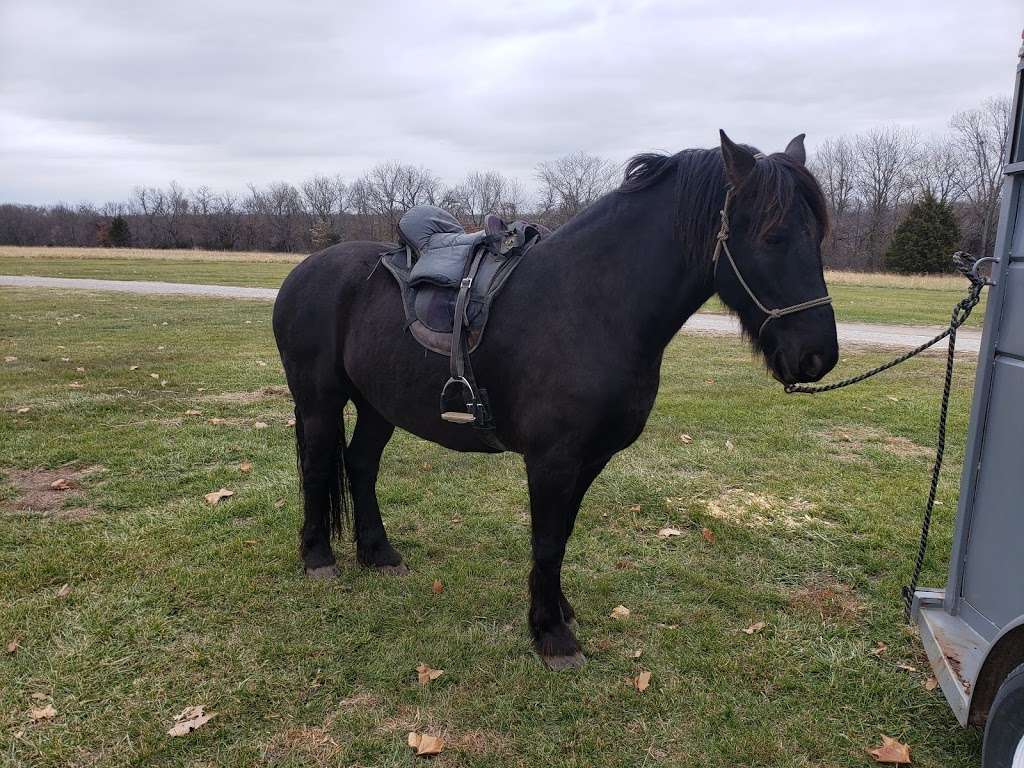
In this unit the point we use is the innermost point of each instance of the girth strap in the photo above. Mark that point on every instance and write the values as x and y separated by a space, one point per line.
722 245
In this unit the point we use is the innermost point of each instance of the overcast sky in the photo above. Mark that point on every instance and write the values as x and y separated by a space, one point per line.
98 97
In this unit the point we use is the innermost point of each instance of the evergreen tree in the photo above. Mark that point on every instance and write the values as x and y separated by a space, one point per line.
119 235
926 239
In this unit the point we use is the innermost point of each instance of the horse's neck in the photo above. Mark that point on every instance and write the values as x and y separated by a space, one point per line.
638 269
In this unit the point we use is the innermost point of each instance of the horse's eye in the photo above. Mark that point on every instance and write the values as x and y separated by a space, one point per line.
775 238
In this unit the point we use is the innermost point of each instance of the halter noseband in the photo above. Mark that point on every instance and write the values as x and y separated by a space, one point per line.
722 244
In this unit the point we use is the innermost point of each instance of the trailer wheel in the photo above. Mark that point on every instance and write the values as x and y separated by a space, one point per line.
1004 730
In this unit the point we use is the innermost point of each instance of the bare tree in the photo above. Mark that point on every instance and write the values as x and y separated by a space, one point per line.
483 192
573 182
835 166
885 159
938 169
390 189
981 135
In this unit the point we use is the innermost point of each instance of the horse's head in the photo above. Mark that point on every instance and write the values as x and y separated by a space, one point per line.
768 260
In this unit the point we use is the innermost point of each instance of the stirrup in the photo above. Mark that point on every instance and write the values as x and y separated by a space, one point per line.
459 417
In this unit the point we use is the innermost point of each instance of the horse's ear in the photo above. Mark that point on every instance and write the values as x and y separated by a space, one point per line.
795 149
739 161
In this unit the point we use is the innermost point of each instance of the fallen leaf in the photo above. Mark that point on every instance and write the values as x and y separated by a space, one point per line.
163 382
10 359
154 375
42 713
193 412
217 420
894 399
261 364
424 743
635 508
642 681
667 626
64 591
24 409
620 612
60 484
931 683
729 446
708 535
214 497
79 369
437 587
891 751
190 719
637 653
879 649
260 425
665 533
133 367
12 645
427 674
279 503
245 466
755 628
906 667
76 385
290 422
686 438
39 697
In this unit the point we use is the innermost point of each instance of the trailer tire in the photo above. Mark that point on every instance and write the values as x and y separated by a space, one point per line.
1004 731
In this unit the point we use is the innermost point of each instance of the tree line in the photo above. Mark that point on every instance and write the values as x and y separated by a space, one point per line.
870 179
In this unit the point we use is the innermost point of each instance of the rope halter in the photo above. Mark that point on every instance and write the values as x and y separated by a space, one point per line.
722 246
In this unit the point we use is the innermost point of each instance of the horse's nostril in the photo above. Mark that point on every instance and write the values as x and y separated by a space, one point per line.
812 365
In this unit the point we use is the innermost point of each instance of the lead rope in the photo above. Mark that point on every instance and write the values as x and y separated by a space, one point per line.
966 265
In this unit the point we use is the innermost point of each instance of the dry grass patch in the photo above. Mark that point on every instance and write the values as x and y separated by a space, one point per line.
253 396
891 280
155 254
831 600
45 492
309 745
848 444
756 510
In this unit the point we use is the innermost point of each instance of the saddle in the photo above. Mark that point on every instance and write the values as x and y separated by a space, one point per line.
448 278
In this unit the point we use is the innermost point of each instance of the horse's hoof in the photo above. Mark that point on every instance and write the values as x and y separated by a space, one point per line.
394 570
559 663
323 573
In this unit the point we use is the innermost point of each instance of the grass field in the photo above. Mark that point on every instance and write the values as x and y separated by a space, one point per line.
813 504
870 298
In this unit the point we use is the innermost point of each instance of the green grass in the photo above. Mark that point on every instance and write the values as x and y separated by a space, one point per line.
174 602
867 298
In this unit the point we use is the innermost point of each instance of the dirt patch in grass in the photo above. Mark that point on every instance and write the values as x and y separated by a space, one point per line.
45 492
848 444
309 745
755 510
254 396
831 600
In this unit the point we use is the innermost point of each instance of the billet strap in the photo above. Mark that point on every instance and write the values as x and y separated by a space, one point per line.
458 325
722 245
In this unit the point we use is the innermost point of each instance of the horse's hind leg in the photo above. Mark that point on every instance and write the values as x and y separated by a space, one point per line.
362 461
320 441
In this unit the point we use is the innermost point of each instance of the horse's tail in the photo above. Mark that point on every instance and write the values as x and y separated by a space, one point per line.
337 516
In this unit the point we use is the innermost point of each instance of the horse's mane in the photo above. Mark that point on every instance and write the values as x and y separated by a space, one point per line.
776 183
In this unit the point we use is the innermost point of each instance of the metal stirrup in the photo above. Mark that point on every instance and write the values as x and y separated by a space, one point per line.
722 244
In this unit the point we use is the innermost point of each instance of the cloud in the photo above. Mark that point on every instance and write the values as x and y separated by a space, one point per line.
96 97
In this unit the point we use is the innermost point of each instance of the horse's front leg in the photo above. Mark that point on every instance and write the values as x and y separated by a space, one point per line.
553 505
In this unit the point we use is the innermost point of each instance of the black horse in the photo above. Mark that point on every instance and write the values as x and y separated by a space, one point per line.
573 350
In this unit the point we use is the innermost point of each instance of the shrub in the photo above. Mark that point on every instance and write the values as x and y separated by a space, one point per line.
926 239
